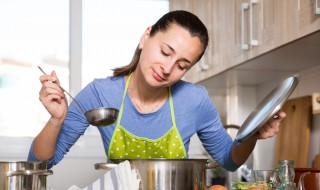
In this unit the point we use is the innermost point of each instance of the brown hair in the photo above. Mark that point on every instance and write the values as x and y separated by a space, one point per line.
182 18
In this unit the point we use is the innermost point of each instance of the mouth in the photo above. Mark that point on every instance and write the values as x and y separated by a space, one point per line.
158 77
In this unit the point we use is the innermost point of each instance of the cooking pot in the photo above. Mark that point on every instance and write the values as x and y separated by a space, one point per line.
23 175
167 174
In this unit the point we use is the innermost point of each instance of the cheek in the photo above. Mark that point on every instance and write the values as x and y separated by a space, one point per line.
143 59
176 74
149 55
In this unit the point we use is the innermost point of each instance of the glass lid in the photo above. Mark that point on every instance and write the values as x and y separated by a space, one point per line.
267 108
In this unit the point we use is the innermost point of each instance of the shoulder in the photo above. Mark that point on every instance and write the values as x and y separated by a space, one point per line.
108 84
189 90
184 85
110 80
193 106
191 96
109 88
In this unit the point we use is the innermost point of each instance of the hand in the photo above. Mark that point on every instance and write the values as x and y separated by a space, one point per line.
271 128
52 96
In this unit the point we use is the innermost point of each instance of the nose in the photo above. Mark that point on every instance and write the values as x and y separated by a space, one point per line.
167 67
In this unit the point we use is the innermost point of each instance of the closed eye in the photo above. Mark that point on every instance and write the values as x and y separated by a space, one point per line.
164 53
181 67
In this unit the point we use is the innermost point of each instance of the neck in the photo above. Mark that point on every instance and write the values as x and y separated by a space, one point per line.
145 98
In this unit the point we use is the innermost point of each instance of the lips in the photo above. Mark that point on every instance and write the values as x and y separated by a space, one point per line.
157 77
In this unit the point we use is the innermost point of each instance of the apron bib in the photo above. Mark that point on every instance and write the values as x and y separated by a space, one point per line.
127 145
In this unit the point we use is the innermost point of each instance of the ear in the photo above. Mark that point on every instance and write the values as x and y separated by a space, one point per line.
144 37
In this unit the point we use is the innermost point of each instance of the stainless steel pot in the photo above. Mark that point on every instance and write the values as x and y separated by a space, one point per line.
168 174
23 175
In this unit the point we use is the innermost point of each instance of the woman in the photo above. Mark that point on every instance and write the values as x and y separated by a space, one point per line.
158 112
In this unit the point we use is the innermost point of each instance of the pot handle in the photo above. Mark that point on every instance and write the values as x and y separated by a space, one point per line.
29 172
104 166
212 165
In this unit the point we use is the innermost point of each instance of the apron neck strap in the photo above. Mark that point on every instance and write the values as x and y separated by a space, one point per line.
124 95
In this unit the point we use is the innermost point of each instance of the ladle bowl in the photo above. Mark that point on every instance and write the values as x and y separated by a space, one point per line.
99 117
102 116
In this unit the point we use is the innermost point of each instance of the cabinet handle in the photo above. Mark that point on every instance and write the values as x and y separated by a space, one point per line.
317 6
253 41
244 6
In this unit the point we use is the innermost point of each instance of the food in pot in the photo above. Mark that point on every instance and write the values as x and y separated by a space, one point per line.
261 185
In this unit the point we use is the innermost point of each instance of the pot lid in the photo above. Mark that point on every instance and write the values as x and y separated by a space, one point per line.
267 108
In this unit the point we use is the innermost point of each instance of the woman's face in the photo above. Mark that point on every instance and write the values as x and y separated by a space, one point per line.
167 56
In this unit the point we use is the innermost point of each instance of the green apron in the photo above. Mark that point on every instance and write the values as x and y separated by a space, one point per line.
127 145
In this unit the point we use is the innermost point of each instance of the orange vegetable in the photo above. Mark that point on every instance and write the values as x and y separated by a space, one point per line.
217 187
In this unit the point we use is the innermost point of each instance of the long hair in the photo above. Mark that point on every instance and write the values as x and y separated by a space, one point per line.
182 18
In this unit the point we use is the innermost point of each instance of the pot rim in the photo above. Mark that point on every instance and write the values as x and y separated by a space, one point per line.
22 162
161 159
210 164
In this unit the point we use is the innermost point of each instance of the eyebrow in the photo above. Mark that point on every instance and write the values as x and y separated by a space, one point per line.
182 59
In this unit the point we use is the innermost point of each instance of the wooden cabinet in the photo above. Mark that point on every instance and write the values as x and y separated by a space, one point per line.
207 11
308 21
244 29
256 27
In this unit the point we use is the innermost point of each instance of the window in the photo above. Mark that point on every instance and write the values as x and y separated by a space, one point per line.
32 33
36 32
112 30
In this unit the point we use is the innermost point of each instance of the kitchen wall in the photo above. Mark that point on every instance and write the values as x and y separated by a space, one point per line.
238 90
236 102
309 83
247 97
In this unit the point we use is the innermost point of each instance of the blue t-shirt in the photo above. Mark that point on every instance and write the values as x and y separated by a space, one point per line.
194 113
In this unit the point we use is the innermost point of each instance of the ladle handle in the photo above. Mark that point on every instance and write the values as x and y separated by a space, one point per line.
64 91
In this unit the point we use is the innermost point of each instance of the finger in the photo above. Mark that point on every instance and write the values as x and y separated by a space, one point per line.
268 125
266 131
53 98
276 130
49 97
280 115
49 88
273 127
54 75
50 85
45 78
55 90
269 130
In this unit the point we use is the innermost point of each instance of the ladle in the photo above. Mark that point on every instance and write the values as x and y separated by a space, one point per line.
98 117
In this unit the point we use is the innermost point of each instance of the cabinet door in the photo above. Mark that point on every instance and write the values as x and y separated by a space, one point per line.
209 63
236 30
258 27
272 28
241 30
292 20
308 21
